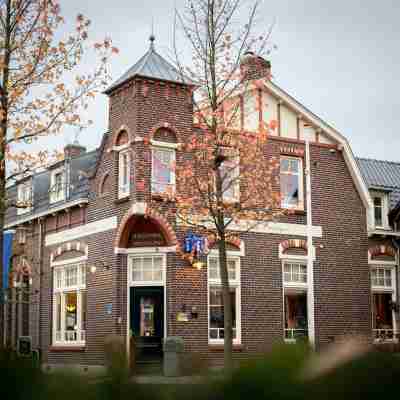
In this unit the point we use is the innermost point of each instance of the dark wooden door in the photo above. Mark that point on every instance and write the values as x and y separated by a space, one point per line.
147 322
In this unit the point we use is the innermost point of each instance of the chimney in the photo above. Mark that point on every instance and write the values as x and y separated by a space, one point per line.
254 67
74 150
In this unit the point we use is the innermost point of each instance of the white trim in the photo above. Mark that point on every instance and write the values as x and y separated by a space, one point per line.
377 262
92 228
162 282
124 190
277 228
48 211
138 208
383 232
234 284
121 148
145 250
167 145
300 181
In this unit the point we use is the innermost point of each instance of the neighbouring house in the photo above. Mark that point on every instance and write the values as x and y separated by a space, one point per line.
383 180
104 262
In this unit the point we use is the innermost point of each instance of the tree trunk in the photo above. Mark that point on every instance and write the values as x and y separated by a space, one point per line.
226 295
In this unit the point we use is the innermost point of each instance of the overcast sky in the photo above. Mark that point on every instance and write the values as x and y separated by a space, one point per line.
339 58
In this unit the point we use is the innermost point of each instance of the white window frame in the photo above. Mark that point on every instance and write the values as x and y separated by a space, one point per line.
234 284
384 207
294 287
172 151
59 337
236 184
54 198
300 181
141 255
378 289
124 189
22 188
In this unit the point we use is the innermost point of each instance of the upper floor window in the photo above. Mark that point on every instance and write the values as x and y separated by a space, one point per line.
380 209
230 175
57 186
24 197
124 167
291 181
163 170
382 277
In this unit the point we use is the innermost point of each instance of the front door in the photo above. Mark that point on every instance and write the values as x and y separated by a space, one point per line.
147 322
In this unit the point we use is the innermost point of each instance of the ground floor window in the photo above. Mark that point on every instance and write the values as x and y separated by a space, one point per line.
215 300
383 286
69 304
382 316
217 313
295 316
295 287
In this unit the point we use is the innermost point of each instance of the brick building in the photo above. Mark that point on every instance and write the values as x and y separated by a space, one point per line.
103 262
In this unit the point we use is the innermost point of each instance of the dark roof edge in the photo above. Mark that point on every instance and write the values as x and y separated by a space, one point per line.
138 76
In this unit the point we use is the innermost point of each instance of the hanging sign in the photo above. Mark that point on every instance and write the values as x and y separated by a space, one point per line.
196 244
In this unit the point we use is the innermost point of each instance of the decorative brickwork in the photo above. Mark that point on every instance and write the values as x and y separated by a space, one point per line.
69 247
382 250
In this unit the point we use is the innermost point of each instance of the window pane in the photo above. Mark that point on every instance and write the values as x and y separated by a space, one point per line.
290 190
284 165
216 311
71 305
83 311
58 311
294 166
162 170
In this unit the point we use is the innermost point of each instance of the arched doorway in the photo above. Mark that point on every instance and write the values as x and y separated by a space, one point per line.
145 240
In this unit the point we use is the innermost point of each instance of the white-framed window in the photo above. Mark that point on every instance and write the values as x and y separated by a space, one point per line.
69 304
291 182
215 301
57 185
230 175
295 300
24 197
147 269
383 286
163 170
124 173
381 209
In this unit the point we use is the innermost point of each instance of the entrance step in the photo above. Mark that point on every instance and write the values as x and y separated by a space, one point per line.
154 368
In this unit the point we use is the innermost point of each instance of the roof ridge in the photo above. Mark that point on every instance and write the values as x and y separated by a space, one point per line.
376 160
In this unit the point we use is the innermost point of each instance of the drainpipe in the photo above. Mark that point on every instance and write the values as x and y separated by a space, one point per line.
396 244
40 256
310 253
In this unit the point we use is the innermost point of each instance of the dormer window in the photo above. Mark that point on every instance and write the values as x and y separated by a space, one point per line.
381 211
57 186
24 197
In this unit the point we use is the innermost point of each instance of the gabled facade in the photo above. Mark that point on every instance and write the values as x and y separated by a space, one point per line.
383 180
117 269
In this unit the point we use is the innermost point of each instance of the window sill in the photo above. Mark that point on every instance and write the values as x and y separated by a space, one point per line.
220 347
67 348
120 200
163 197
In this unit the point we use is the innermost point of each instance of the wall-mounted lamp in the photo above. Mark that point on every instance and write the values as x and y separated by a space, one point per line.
98 265
197 264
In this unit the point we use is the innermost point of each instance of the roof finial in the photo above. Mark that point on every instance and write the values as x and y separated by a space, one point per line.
152 37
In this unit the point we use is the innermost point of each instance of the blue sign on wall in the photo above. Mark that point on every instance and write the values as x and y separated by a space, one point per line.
7 253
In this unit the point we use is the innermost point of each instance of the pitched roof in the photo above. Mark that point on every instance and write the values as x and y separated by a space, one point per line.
385 175
152 66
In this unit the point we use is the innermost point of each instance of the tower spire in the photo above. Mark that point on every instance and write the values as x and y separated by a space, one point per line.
152 36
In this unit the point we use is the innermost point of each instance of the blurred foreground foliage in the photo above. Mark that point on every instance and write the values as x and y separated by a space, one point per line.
282 374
